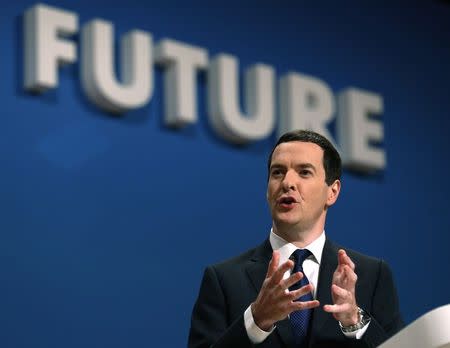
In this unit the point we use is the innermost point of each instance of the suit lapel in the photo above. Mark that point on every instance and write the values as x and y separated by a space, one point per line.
257 268
328 265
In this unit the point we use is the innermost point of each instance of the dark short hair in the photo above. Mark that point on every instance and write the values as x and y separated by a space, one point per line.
331 159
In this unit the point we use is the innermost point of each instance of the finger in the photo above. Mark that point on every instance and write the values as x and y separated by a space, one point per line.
350 275
345 277
293 279
295 294
299 305
338 274
341 257
344 259
349 261
279 273
337 308
273 264
340 292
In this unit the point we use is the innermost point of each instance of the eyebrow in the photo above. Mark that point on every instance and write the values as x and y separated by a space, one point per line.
298 166
306 166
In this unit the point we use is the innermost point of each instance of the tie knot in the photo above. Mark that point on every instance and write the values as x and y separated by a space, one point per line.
300 255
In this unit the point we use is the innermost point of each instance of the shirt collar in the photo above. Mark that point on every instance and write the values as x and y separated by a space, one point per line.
286 249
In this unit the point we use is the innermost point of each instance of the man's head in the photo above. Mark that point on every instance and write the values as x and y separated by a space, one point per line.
304 172
331 159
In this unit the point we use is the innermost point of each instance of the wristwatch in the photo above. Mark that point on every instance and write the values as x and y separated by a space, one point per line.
364 319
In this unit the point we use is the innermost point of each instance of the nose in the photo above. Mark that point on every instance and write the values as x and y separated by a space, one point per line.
289 181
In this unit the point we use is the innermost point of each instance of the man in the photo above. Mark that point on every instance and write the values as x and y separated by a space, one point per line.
297 289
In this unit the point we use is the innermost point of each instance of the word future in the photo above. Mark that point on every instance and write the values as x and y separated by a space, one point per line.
305 101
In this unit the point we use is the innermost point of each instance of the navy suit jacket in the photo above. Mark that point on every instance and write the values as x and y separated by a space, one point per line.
228 288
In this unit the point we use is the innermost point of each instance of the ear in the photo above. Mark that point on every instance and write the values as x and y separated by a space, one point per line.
333 192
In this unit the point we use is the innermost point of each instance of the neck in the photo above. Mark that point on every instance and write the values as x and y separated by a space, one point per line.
298 236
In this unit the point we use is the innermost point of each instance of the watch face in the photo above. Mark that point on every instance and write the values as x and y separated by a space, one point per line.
365 318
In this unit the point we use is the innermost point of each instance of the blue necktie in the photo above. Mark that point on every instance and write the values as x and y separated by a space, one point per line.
300 319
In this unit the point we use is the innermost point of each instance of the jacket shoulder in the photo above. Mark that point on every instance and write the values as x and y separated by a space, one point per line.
262 251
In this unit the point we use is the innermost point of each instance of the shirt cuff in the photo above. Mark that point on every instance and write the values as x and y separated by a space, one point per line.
255 334
358 333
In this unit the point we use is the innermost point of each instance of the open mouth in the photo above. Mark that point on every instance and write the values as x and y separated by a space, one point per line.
287 201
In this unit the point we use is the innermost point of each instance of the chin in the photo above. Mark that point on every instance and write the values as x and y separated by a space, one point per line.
288 217
286 222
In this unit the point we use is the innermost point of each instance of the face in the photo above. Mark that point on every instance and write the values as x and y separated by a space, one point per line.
297 193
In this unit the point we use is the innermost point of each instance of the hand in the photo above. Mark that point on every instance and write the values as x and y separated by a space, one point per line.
343 285
275 302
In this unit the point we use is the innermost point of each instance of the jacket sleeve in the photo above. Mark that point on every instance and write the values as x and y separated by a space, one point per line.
210 324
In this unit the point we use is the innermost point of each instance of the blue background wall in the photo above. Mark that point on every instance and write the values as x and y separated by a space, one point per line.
107 222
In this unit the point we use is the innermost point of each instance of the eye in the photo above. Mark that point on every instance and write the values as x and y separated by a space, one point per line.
305 172
276 172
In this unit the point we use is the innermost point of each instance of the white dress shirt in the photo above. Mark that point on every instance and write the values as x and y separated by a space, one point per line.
311 267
